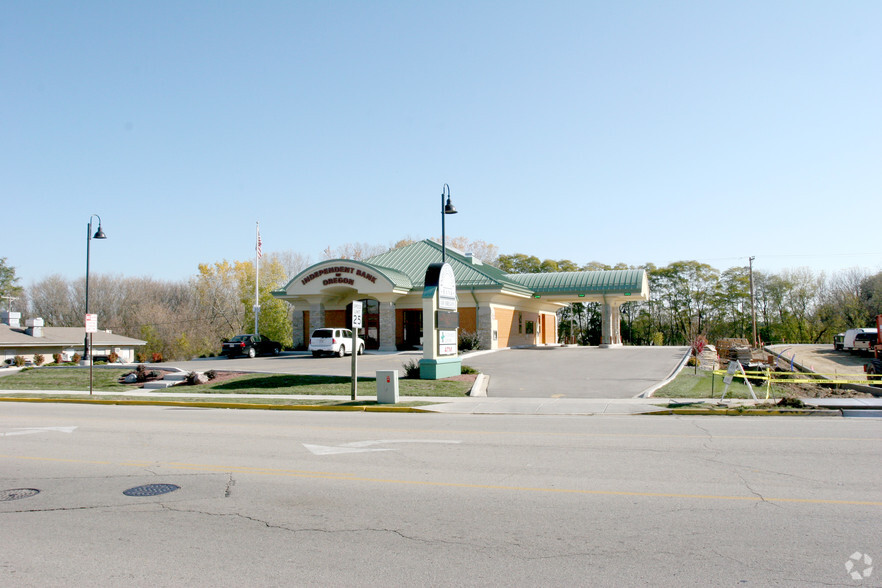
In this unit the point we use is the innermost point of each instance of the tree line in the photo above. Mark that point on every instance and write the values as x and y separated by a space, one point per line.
689 298
190 318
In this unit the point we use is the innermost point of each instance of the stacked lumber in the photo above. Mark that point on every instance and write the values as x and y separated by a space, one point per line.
707 360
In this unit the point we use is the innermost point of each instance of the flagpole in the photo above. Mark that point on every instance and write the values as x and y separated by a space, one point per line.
257 253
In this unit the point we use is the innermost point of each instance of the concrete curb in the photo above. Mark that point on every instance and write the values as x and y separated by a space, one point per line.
479 387
821 412
652 389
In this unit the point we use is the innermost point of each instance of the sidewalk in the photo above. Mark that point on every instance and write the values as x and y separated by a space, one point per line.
483 404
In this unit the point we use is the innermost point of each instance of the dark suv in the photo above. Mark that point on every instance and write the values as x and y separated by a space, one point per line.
250 345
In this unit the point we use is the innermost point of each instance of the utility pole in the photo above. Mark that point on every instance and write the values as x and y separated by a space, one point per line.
752 305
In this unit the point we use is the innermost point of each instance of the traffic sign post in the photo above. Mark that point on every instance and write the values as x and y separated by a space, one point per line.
356 324
91 324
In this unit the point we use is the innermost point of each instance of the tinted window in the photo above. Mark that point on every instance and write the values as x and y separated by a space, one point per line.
323 333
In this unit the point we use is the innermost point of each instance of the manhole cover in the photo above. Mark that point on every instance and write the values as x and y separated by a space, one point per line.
17 493
151 490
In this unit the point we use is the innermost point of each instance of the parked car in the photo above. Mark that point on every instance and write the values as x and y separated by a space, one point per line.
333 341
250 345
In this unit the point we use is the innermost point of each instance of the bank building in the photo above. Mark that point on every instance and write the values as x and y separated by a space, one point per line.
505 310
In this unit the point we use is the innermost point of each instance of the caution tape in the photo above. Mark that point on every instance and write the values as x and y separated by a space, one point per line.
800 377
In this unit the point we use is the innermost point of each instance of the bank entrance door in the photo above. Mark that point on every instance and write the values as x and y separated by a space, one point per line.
413 328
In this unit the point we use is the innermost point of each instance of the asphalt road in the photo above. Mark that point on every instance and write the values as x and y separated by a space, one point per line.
361 499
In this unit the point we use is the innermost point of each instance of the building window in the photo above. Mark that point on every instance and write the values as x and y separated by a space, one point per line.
530 325
520 324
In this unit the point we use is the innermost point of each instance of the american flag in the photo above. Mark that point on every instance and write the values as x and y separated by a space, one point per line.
259 252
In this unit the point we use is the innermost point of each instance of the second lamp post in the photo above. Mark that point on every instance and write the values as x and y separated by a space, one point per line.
445 209
99 234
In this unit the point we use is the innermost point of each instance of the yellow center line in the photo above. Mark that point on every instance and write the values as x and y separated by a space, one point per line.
349 477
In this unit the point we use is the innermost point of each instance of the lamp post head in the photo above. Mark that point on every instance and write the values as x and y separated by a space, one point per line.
449 208
99 234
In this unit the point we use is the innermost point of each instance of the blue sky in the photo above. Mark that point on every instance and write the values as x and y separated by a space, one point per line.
608 131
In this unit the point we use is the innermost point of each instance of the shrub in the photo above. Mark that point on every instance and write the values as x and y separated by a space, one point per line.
658 338
467 369
469 341
192 379
156 357
693 361
18 360
76 358
57 357
141 357
412 369
113 357
39 359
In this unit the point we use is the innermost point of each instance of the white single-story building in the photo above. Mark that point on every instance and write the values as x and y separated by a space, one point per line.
35 339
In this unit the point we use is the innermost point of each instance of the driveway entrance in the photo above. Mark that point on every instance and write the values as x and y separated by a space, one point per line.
576 372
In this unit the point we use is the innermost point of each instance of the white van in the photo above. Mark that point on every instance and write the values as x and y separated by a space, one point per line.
848 342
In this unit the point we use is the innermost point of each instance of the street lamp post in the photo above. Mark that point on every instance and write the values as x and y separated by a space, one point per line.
445 209
99 234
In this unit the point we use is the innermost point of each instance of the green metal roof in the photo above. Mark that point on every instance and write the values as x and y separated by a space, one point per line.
412 261
583 282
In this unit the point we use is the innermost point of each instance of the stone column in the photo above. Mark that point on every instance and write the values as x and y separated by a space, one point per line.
297 328
316 316
387 326
610 333
485 326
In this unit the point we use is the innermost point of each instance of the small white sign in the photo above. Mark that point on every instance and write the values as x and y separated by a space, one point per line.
447 337
447 349
356 314
91 323
447 303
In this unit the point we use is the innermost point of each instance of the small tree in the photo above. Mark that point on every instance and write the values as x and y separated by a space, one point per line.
19 360
698 344
39 359
57 357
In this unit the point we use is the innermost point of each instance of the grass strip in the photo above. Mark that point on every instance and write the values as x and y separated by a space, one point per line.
106 380
687 384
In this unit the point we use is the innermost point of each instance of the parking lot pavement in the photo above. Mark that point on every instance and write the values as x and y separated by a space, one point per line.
576 372
539 372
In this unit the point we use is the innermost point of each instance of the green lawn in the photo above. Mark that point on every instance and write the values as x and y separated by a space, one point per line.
689 385
64 378
105 380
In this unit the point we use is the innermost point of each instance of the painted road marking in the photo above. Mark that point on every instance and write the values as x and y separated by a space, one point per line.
34 430
347 477
365 446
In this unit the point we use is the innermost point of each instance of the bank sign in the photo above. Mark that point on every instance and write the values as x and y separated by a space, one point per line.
447 288
339 274
447 339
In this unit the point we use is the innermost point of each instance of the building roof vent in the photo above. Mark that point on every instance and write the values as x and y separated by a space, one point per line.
472 259
11 319
35 327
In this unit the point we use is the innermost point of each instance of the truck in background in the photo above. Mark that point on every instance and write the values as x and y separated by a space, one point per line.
848 340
